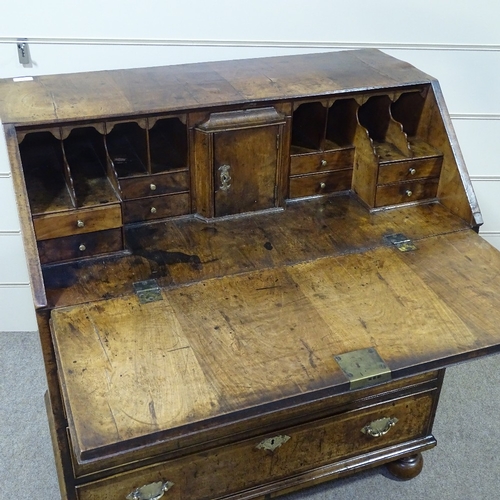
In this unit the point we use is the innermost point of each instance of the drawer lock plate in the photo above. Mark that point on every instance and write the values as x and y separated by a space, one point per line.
363 368
273 443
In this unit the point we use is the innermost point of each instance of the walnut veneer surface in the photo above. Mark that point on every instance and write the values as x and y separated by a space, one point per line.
260 197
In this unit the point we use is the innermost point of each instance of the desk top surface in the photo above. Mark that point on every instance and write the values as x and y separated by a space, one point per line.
238 342
106 94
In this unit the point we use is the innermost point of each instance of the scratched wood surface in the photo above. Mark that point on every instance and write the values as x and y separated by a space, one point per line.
81 96
229 344
181 251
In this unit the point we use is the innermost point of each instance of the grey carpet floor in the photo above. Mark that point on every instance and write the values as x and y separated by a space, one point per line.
464 466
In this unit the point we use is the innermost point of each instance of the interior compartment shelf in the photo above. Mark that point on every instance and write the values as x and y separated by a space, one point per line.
389 140
341 124
44 171
168 145
128 149
87 160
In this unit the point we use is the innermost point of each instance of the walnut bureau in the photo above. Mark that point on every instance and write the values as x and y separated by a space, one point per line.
249 276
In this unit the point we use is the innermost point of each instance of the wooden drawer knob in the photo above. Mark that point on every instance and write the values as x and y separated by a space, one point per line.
80 223
152 491
380 427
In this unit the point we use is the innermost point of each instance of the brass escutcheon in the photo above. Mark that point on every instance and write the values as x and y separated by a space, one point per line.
225 178
271 444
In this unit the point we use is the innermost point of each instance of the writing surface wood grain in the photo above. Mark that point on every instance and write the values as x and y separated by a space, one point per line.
228 344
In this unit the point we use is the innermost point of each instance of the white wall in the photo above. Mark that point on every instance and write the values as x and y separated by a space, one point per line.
456 41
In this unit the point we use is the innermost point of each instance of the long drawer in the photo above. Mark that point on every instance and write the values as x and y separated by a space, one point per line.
269 458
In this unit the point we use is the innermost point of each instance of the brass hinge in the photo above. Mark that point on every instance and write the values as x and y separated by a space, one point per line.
401 242
363 368
147 291
278 141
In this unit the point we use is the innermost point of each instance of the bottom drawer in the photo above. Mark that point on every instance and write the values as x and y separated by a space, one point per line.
80 245
392 194
254 462
156 207
322 183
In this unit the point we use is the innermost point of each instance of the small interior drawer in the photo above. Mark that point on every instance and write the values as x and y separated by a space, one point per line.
156 207
268 458
321 183
80 245
409 170
153 185
322 162
392 194
77 222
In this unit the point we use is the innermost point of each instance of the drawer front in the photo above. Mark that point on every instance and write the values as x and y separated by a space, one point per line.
392 194
77 222
156 207
154 185
330 182
409 170
80 245
322 162
258 461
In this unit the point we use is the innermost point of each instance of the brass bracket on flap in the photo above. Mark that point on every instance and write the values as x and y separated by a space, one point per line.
363 368
147 291
401 242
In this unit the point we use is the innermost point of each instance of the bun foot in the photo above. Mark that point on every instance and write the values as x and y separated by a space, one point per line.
407 467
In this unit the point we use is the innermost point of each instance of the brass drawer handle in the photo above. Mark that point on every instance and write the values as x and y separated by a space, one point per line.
153 210
225 177
82 248
152 491
80 223
412 171
324 163
322 185
271 444
152 187
380 427
408 192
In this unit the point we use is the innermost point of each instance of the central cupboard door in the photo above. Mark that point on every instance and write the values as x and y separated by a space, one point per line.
245 169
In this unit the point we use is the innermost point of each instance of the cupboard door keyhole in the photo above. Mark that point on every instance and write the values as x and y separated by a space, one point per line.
225 177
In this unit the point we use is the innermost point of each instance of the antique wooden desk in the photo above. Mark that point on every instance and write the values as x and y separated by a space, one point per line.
249 276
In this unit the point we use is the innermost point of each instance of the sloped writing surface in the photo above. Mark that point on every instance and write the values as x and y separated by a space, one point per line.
236 343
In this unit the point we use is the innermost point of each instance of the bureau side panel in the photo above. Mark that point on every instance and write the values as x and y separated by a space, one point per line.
28 233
